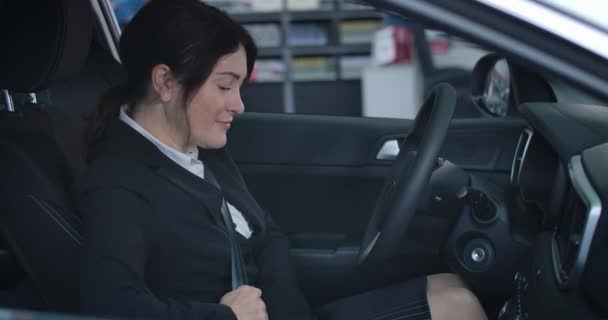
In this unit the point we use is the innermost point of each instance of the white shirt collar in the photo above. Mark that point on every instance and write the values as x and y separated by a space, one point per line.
187 160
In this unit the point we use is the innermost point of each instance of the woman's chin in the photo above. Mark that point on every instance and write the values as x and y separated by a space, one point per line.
213 144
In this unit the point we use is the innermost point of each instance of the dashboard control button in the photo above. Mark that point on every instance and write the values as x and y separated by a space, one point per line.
478 255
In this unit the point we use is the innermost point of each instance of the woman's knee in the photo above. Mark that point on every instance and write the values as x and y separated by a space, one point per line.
442 281
449 299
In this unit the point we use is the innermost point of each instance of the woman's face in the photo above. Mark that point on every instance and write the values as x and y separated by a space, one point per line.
213 106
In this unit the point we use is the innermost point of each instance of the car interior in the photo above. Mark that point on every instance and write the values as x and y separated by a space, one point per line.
511 201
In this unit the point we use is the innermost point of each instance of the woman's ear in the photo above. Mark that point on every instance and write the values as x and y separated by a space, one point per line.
163 82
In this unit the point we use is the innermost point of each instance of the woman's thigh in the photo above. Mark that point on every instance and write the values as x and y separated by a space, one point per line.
449 298
407 301
437 297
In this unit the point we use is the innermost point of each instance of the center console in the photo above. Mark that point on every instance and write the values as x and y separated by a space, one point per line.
484 246
537 294
563 275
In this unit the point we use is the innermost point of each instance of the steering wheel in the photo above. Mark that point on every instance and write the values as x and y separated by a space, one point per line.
408 177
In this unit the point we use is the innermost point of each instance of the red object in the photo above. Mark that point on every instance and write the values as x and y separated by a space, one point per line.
393 44
441 46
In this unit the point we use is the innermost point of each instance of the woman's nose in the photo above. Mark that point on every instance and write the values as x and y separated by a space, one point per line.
236 105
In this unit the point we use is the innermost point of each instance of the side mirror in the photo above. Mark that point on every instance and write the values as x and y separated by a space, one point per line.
491 87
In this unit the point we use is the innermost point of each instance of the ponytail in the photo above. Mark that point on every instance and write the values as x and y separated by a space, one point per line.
107 109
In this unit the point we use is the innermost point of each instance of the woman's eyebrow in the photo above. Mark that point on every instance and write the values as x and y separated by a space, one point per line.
229 73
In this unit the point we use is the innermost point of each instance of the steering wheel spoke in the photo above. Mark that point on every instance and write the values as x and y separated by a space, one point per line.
409 175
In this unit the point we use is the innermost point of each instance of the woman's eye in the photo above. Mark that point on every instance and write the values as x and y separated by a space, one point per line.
224 88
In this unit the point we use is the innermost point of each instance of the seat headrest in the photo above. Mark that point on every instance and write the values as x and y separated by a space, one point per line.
43 41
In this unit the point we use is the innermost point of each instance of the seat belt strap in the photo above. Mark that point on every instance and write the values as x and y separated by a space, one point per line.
239 272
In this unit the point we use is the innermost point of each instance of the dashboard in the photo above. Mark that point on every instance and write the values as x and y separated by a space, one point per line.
559 181
571 141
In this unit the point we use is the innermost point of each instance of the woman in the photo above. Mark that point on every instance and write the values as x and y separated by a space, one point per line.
157 245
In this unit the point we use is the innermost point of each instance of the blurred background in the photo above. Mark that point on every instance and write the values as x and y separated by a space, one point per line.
340 57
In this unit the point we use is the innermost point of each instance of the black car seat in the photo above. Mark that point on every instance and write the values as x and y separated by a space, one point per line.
44 41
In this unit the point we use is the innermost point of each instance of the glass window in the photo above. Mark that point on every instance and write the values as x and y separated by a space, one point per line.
334 57
124 10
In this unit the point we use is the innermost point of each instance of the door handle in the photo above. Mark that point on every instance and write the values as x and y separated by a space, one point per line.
389 150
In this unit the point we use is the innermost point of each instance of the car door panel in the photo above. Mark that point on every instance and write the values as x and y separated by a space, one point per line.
290 139
319 177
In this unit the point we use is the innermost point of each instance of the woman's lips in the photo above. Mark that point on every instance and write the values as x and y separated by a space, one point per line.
225 124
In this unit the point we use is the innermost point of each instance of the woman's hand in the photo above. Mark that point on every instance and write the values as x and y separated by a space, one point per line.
246 303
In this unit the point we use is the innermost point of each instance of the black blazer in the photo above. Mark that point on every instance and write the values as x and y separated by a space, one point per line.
155 242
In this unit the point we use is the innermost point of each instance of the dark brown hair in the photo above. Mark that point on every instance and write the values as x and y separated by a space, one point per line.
186 35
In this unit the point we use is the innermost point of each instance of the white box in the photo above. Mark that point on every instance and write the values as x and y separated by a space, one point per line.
392 91
307 34
269 71
265 34
352 67
352 5
303 4
266 5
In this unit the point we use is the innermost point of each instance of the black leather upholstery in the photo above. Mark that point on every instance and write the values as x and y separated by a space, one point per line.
43 41
47 40
37 218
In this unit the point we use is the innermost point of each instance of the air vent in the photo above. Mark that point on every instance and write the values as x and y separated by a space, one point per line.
520 154
574 235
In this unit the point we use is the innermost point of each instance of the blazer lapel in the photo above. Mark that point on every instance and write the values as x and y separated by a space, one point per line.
238 200
234 190
201 190
127 143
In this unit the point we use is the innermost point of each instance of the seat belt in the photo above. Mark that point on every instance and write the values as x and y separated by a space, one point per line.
239 272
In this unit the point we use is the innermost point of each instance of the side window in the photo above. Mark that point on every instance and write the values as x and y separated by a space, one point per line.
337 57
124 10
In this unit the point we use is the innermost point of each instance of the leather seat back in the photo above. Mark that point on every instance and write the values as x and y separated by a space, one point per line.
48 41
36 216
